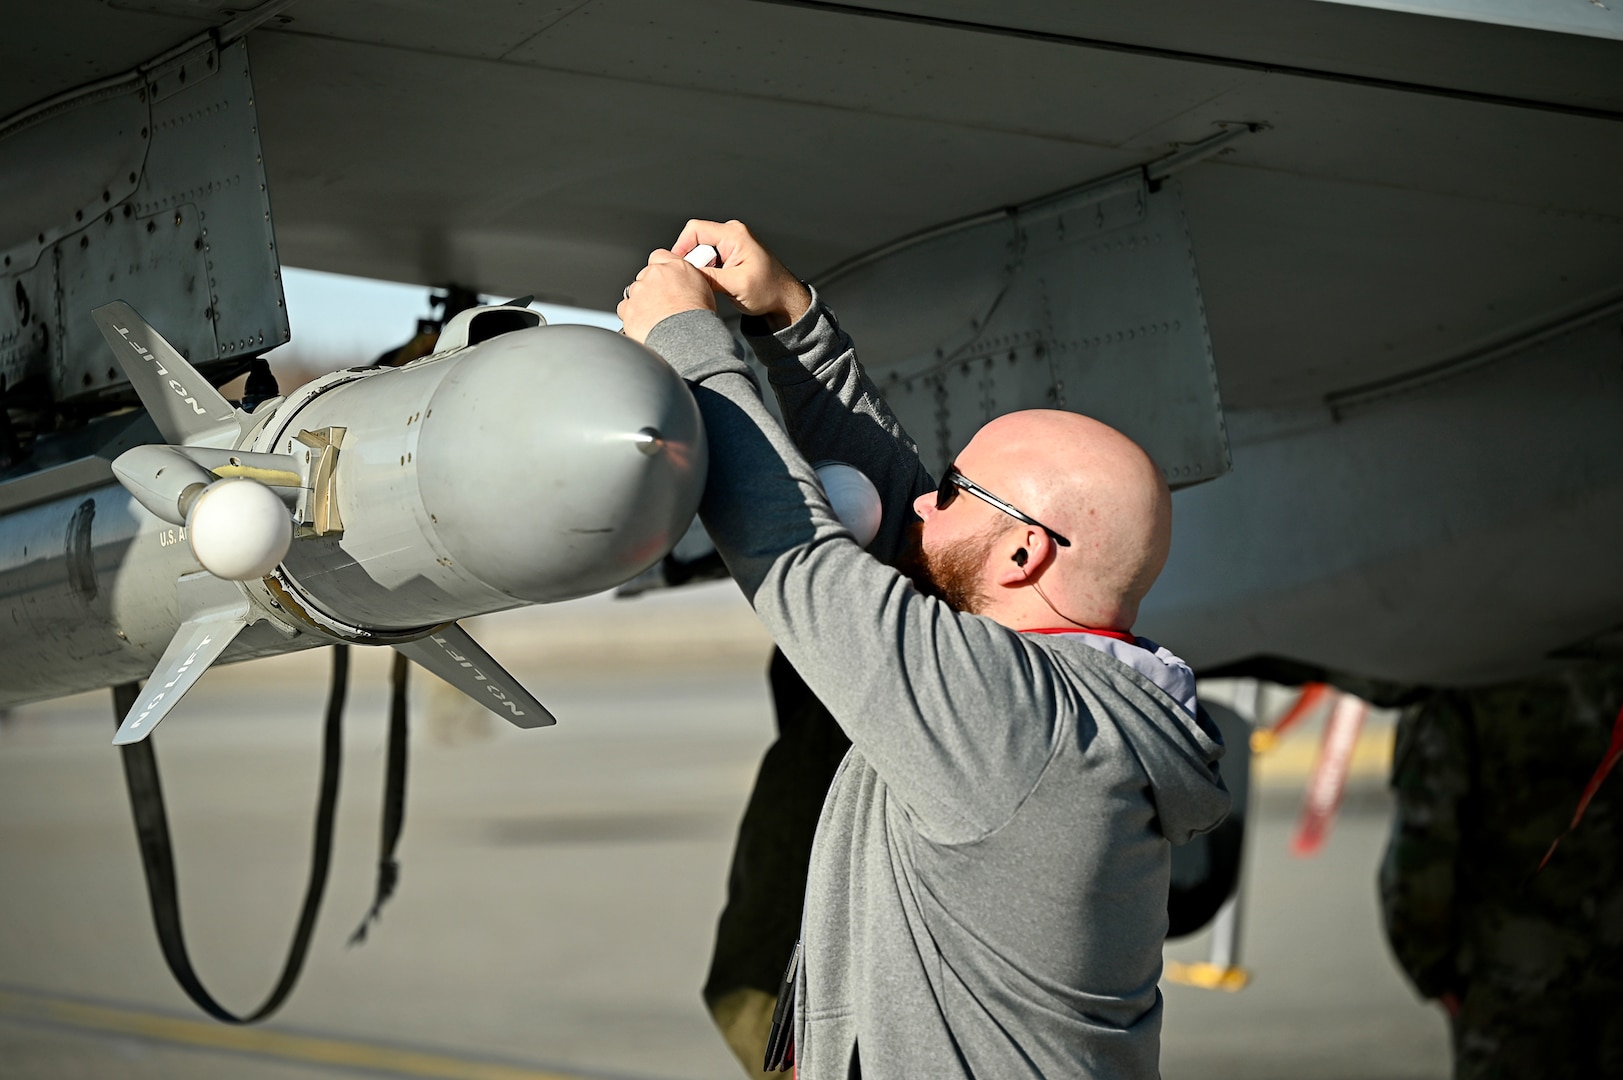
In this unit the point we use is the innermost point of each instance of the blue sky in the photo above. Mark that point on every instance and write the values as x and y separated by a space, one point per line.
337 316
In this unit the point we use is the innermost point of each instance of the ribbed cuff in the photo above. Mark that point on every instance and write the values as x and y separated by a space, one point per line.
799 349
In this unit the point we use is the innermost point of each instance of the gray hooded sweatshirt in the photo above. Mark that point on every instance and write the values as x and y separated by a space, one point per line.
988 885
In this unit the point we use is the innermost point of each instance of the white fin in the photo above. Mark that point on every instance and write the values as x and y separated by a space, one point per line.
183 404
197 644
455 657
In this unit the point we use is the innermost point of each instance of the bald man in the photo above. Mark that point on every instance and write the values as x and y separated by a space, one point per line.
988 883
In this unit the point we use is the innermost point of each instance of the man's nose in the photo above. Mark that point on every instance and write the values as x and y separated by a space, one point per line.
924 505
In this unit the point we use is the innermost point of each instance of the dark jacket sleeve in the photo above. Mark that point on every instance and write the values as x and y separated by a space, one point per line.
834 412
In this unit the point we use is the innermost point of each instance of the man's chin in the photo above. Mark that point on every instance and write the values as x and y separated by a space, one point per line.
913 564
950 577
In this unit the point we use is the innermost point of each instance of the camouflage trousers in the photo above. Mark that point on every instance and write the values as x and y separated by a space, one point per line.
1575 1031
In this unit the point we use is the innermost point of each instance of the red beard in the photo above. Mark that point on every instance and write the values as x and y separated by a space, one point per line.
953 577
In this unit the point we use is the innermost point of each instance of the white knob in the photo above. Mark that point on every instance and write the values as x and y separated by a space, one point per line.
854 498
239 530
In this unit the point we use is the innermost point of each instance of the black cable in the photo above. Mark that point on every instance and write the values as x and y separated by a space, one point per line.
158 861
394 799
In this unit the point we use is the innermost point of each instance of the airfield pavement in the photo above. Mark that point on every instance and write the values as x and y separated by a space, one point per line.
559 888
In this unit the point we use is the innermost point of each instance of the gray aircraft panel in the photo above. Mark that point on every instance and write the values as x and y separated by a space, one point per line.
1090 301
1297 308
1564 17
880 68
869 129
1352 192
1463 530
1330 40
1351 39
150 190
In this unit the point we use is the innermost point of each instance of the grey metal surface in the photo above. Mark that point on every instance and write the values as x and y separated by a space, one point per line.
153 191
1589 17
1088 302
157 475
88 596
459 660
1331 251
504 473
1456 532
74 462
432 518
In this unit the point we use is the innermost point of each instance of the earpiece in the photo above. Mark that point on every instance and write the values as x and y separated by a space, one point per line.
1020 557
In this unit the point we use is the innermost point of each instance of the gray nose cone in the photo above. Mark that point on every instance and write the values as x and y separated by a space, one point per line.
649 441
560 461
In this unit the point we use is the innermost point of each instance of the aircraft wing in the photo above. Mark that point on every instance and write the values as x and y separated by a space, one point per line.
1396 232
1431 168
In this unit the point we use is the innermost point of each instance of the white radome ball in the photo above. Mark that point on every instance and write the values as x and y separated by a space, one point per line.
854 498
239 530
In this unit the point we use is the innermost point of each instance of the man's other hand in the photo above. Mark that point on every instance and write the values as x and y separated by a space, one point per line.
749 276
666 286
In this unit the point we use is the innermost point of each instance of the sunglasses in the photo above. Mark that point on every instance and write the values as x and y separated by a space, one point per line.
953 481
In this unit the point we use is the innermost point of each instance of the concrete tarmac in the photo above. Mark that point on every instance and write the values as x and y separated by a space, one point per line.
559 888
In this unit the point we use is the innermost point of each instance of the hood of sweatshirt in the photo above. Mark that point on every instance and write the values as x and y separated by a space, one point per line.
1178 750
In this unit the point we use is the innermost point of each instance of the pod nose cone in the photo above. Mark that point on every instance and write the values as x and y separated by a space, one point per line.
560 461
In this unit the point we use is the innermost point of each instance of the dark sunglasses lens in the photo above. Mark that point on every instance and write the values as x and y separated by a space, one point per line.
946 491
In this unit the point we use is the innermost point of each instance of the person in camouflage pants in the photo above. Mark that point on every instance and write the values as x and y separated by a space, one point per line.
1528 965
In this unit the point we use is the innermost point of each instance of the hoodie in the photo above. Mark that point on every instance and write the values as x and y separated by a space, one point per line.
988 883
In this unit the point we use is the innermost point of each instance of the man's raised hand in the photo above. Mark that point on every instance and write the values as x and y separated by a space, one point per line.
749 275
666 286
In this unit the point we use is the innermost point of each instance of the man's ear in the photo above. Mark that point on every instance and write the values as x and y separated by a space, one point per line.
1019 557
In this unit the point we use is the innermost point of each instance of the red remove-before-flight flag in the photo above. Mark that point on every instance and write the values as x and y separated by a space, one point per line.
1329 777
